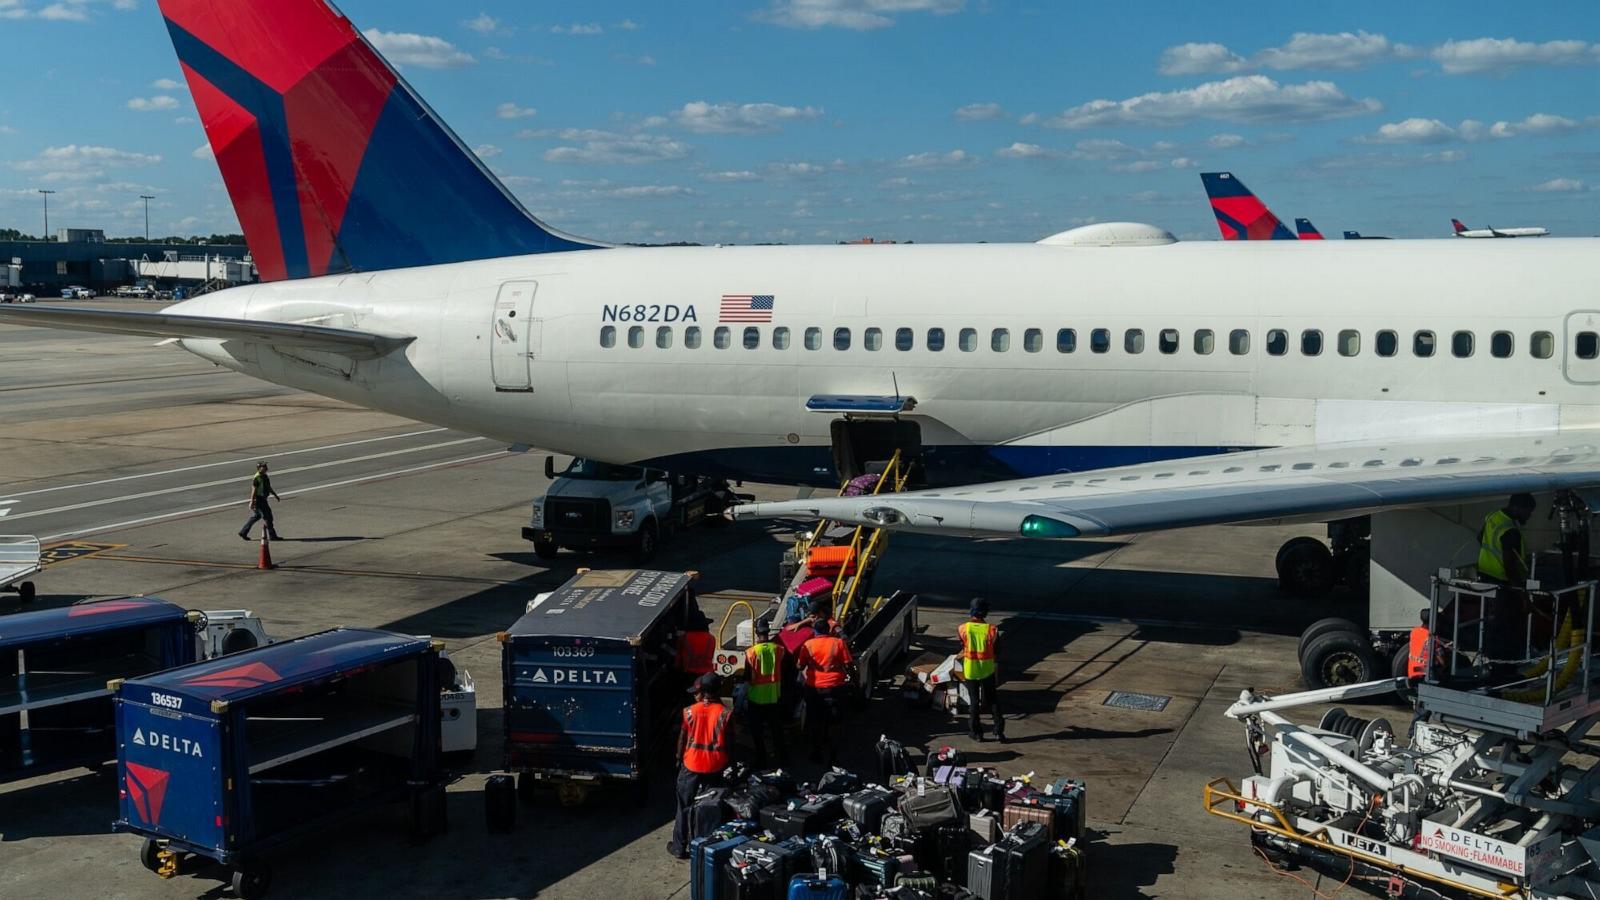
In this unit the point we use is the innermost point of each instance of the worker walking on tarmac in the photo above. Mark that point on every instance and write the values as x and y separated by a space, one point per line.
824 662
980 644
703 747
1503 551
260 509
763 666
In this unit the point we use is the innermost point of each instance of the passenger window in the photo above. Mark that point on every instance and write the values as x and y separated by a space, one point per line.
1277 342
1588 346
1461 344
1100 340
1167 341
691 337
1000 340
1387 343
968 340
780 338
1311 342
636 337
873 339
752 338
841 339
903 338
1133 340
1501 344
1033 340
1349 342
1422 343
936 339
1205 341
664 336
722 338
1238 342
1541 345
608 336
1066 340
813 338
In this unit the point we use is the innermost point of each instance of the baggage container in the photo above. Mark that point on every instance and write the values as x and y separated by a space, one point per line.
590 683
55 707
231 757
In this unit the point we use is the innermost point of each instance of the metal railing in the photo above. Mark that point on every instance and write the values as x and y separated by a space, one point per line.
1553 657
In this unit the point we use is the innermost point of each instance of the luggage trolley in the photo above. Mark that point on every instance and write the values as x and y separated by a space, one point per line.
20 557
229 758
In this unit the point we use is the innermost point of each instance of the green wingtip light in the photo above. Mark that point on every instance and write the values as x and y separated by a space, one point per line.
1047 528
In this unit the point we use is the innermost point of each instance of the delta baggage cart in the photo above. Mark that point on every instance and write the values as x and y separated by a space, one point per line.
55 708
20 557
591 682
228 758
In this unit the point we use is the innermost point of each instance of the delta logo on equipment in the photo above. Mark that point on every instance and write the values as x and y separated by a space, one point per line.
1475 848
574 676
147 788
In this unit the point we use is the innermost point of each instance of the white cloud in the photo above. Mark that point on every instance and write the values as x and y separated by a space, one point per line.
1561 186
1391 160
487 151
1541 124
1200 59
1414 130
605 148
857 15
1184 162
933 160
157 103
82 162
1020 150
203 152
1501 55
509 110
1433 131
732 176
1246 98
739 118
578 28
1102 149
647 191
628 25
166 84
980 112
422 50
1226 141
482 23
1344 50
1143 165
64 12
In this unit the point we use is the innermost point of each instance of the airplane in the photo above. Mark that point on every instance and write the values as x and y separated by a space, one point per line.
1241 216
1107 380
1306 231
1358 236
1462 231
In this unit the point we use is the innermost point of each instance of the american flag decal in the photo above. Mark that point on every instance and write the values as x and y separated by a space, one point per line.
746 308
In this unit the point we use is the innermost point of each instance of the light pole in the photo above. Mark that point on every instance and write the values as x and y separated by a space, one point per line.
147 198
46 212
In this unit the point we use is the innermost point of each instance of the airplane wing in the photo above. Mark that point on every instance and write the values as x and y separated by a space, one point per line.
343 341
1305 483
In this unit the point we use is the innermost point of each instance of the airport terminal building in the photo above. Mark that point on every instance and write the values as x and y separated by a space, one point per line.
82 256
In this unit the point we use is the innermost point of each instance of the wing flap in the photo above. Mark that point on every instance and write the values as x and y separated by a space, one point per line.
346 342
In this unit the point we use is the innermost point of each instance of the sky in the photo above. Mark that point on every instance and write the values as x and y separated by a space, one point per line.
814 121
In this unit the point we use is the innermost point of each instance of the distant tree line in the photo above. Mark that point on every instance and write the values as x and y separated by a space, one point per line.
13 234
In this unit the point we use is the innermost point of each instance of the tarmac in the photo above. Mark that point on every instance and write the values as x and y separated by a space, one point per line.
135 460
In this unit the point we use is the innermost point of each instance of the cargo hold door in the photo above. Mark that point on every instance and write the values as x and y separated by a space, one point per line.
514 337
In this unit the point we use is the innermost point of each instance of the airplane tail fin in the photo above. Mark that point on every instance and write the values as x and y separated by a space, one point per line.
1241 215
332 161
1306 231
1456 224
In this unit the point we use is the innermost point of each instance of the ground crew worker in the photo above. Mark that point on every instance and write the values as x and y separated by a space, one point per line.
1419 652
980 644
1503 551
703 748
260 509
697 649
824 662
763 666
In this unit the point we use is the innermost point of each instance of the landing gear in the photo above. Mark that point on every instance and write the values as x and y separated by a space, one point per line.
1339 658
1305 567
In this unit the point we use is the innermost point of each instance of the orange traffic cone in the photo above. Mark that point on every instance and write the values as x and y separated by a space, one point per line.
265 559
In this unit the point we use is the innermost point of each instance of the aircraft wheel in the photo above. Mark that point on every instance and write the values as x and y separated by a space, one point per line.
1338 659
1322 627
1305 567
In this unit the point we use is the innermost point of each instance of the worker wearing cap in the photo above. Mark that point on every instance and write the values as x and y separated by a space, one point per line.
763 668
980 645
260 509
704 748
824 662
697 649
1502 550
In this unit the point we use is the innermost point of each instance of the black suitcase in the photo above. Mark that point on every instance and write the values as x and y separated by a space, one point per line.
812 816
784 859
1068 877
709 812
500 803
944 756
778 779
928 805
868 807
746 802
1027 862
751 882
945 851
838 781
867 867
892 760
830 855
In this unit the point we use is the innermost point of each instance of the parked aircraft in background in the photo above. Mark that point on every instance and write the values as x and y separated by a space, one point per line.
1463 231
1358 236
1306 231
1241 216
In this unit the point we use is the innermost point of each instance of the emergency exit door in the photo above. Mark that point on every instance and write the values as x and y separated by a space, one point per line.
514 337
1581 347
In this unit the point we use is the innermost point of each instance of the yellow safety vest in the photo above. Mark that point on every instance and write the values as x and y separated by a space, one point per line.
765 661
1490 563
977 644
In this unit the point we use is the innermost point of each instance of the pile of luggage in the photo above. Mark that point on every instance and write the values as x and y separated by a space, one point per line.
950 830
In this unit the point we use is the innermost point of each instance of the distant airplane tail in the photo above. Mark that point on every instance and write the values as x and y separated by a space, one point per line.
1456 224
1241 216
1306 231
332 161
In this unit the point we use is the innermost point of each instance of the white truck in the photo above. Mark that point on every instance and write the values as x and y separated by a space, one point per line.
592 505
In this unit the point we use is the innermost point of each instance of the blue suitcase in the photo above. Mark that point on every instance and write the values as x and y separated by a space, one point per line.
1067 796
707 856
817 887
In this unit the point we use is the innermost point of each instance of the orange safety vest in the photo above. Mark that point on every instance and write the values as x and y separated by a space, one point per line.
706 724
697 652
764 662
1417 656
977 649
828 661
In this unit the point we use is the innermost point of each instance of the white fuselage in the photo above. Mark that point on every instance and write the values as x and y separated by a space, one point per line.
542 377
1502 232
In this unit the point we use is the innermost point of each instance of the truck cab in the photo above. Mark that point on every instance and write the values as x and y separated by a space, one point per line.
592 505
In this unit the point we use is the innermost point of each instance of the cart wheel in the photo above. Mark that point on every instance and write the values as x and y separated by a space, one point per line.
150 855
25 592
546 549
527 789
644 546
251 881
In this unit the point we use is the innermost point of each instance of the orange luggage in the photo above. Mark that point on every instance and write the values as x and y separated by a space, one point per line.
830 562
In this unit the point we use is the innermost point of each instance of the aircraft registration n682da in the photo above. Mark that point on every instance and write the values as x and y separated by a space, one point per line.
1105 380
